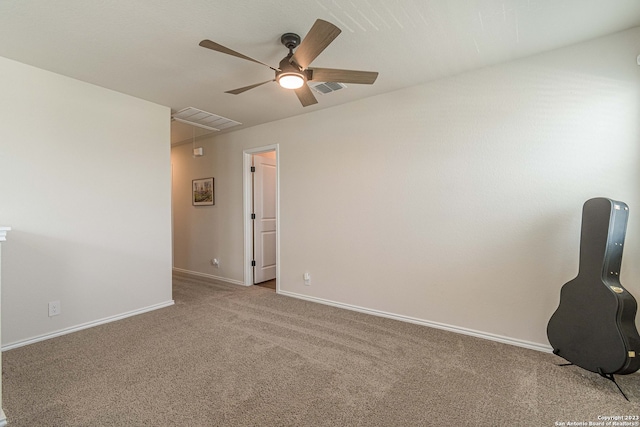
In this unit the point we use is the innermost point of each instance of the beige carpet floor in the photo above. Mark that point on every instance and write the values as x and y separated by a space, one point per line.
226 355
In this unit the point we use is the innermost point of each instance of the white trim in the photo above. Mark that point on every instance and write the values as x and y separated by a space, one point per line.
208 276
457 329
3 417
248 235
87 325
3 238
246 212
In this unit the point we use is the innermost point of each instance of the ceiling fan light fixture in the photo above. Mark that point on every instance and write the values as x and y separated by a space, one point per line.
291 80
293 71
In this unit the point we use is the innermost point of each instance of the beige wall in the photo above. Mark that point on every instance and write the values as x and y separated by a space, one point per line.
85 185
456 203
201 233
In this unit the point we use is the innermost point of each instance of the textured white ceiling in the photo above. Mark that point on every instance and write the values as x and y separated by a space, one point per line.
149 49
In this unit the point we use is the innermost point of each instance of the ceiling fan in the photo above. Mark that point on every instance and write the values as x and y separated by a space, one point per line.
293 72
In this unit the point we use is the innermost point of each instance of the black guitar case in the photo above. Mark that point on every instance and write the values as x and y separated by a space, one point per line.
594 325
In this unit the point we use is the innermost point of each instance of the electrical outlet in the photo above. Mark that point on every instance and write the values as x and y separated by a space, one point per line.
215 262
54 308
307 279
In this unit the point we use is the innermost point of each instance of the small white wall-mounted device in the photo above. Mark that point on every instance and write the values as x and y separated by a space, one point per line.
197 152
54 308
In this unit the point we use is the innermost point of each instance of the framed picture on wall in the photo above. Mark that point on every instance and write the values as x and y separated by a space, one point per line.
203 192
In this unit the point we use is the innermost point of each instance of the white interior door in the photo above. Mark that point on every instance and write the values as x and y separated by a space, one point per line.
264 224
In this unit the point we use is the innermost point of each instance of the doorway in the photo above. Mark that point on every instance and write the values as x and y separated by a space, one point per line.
261 207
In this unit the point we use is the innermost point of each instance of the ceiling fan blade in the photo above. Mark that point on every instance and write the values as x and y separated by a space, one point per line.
343 76
321 34
219 48
246 88
306 96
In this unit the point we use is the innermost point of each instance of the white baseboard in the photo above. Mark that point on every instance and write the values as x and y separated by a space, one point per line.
437 325
208 276
85 326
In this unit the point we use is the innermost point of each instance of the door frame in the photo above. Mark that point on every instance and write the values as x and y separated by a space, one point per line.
247 204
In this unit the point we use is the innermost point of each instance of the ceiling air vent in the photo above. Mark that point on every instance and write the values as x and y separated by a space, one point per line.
328 87
195 117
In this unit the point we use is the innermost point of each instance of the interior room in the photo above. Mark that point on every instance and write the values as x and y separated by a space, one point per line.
439 205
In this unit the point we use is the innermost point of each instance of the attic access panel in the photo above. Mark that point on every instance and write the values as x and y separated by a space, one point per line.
195 117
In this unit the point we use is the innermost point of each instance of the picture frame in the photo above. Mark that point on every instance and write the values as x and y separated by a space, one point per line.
203 192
